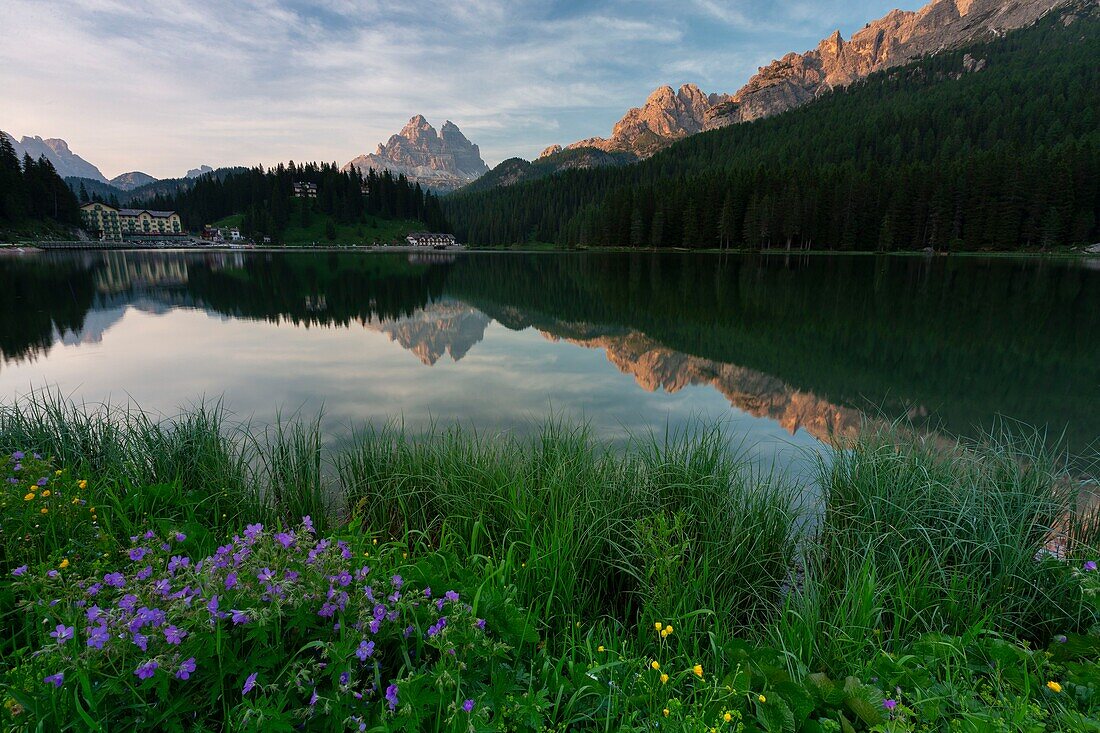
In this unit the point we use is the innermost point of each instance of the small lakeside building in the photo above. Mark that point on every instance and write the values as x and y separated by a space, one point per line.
430 239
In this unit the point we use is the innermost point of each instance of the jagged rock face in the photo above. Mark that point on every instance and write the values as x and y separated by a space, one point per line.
67 163
667 116
896 38
201 170
552 150
130 181
440 161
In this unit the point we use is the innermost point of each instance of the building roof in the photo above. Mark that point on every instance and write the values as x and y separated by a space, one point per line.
129 212
150 212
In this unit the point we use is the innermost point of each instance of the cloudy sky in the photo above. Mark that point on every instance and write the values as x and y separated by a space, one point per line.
162 86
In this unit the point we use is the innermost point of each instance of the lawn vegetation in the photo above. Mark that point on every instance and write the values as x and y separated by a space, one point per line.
196 574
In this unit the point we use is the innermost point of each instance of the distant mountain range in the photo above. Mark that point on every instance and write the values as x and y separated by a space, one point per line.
670 115
446 160
441 162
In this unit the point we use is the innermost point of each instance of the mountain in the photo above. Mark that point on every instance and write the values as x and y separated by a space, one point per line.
896 38
65 161
667 116
130 181
196 172
442 161
990 146
553 160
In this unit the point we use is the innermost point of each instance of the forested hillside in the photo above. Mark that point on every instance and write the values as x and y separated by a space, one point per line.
266 200
993 146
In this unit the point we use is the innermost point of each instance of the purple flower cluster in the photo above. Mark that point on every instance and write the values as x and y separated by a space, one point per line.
151 610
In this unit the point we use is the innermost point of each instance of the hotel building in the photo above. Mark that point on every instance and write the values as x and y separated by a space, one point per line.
114 225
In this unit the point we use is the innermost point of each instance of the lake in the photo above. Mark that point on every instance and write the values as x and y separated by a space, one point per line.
784 351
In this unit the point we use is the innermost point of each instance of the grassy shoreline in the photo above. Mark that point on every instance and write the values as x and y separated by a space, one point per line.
924 598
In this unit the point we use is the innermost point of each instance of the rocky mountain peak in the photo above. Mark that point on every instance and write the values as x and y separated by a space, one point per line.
67 163
797 78
551 150
440 161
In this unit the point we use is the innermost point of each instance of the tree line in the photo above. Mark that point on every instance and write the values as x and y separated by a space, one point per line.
31 190
267 201
925 155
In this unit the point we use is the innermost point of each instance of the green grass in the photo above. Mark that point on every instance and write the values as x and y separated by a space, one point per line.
925 567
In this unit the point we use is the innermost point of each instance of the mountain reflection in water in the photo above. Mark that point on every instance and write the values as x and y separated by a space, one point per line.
808 345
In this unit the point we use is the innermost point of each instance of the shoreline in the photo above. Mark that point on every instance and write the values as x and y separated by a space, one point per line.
27 248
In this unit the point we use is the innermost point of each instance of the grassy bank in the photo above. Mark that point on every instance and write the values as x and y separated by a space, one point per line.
456 581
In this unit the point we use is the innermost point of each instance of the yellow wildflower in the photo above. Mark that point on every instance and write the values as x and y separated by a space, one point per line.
374 542
45 493
668 629
404 555
698 670
761 698
665 632
44 510
82 483
665 711
29 496
1054 686
599 648
657 625
64 563
664 678
655 664
75 501
57 472
727 717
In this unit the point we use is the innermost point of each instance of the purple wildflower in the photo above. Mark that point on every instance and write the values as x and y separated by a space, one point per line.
93 613
187 667
230 580
42 481
266 575
128 602
212 605
468 706
115 580
62 633
290 576
54 679
1090 566
345 677
1061 639
889 704
146 670
249 683
18 455
93 589
173 635
98 637
19 570
308 524
141 641
253 531
428 592
408 631
239 617
313 698
52 573
366 649
137 553
451 596
480 624
177 562
397 582
286 539
180 536
391 696
144 573
149 534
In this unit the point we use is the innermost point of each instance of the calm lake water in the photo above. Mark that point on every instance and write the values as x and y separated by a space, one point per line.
783 350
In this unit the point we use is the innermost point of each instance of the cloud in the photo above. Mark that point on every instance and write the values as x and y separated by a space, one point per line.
164 86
